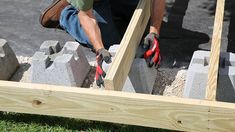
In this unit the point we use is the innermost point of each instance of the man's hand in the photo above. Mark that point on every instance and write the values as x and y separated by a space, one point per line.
152 54
101 55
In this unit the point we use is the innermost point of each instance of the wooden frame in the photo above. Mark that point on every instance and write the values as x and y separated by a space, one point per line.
118 107
127 108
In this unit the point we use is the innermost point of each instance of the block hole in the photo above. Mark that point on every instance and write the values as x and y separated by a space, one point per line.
51 51
225 63
49 62
206 61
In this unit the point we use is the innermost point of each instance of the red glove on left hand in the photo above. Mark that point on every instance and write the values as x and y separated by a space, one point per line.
152 54
101 55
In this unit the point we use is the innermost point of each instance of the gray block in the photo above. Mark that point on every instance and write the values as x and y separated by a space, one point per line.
197 74
140 79
52 65
8 61
50 47
196 79
226 80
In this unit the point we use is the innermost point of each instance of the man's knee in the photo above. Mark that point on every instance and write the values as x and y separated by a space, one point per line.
88 13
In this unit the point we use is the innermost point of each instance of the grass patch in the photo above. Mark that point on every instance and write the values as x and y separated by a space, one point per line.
37 123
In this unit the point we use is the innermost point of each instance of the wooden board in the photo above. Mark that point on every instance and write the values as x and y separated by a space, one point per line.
118 71
117 107
215 51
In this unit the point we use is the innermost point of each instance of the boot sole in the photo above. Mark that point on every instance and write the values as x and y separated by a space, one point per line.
45 12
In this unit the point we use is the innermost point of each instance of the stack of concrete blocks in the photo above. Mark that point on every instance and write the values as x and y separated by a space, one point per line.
197 77
8 61
66 66
140 79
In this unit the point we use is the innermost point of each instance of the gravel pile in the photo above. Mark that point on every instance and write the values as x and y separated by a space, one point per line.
170 82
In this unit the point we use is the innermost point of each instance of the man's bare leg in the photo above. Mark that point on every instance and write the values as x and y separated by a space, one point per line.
157 14
91 28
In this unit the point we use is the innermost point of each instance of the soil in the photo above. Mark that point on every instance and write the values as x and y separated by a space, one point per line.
170 82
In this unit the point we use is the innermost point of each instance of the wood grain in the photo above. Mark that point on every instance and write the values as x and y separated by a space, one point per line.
120 67
215 52
117 107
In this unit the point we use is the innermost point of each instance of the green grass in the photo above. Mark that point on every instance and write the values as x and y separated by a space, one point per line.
36 123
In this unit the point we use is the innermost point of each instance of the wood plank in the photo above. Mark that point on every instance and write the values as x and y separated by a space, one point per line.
118 107
215 51
120 67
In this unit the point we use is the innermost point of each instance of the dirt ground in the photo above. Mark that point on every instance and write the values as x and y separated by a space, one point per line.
169 81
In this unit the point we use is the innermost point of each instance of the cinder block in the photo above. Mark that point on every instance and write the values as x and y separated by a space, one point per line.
197 77
59 66
8 61
140 79
196 80
226 80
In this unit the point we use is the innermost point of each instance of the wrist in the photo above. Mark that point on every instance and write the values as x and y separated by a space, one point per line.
98 48
104 55
154 30
155 35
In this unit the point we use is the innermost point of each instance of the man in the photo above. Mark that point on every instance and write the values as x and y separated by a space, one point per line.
90 23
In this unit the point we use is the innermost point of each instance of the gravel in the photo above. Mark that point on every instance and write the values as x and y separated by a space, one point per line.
170 82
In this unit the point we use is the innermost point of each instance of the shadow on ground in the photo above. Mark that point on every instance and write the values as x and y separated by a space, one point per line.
178 43
179 40
39 123
230 6
229 17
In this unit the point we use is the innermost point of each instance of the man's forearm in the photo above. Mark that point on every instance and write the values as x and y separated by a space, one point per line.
157 14
91 28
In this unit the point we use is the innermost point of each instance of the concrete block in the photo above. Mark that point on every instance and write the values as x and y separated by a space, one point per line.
113 49
140 79
8 61
196 80
50 47
226 80
59 66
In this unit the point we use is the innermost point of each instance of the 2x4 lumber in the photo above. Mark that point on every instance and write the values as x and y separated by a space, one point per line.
215 52
118 71
117 107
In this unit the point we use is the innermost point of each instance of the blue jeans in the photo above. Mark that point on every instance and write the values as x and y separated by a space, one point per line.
102 11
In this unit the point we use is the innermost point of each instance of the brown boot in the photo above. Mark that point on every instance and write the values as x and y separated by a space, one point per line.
51 16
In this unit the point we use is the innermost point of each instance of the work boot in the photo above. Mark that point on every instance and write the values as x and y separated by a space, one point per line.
51 16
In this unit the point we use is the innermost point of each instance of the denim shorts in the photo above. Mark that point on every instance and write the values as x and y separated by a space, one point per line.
102 11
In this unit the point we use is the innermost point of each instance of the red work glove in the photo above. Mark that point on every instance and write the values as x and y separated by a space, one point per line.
101 55
152 54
